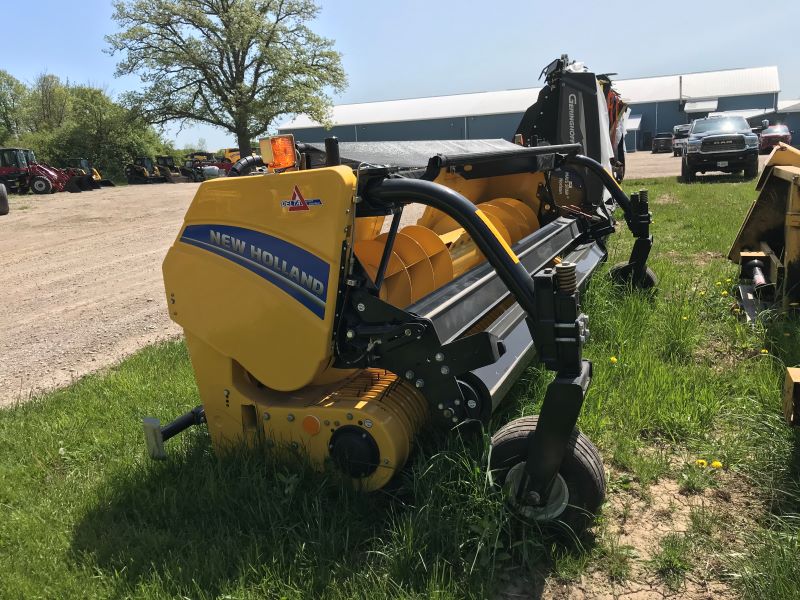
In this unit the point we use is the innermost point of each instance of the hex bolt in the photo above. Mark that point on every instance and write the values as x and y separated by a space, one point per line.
440 406
445 369
457 402
360 307
226 392
439 357
407 332
349 416
350 334
472 403
386 461
290 417
367 423
447 413
266 416
419 383
409 374
455 419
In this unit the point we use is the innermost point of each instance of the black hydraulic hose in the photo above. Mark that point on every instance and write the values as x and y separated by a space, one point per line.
387 249
196 416
468 215
243 166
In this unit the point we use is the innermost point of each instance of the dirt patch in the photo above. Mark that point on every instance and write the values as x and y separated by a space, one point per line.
696 259
81 281
667 198
637 521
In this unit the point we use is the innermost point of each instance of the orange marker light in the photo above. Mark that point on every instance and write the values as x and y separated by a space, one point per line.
283 152
311 425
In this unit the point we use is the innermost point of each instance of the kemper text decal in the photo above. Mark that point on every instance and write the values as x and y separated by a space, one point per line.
297 272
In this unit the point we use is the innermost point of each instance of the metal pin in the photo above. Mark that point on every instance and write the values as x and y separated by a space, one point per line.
360 306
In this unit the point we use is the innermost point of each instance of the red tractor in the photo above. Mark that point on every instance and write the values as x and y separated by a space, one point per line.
207 159
21 172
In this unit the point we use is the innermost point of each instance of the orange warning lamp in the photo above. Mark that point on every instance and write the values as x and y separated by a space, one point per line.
283 152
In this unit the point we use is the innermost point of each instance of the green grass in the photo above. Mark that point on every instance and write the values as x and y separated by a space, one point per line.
672 561
83 513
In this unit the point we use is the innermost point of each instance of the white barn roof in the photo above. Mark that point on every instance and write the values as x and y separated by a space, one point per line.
789 105
705 86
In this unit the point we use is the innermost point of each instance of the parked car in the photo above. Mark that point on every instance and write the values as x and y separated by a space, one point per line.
680 133
724 143
773 134
662 142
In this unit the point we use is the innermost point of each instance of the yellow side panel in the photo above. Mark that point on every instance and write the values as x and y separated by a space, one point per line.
254 272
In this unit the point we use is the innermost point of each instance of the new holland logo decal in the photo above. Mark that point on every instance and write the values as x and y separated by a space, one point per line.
298 202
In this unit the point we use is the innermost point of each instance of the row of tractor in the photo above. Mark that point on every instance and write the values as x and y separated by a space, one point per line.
196 167
21 172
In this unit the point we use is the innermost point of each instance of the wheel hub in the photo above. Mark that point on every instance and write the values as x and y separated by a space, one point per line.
528 508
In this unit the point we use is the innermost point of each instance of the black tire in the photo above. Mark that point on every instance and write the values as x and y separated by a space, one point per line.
622 275
4 207
41 185
581 471
688 175
751 168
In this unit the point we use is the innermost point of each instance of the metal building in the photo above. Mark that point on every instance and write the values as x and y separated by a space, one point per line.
657 104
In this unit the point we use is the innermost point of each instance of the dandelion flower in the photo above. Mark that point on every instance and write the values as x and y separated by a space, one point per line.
764 351
715 464
724 293
728 280
685 318
701 462
718 283
613 360
702 292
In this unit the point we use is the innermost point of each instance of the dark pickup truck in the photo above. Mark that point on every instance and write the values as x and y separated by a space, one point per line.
724 143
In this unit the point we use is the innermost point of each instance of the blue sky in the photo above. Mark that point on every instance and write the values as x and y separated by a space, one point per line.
411 48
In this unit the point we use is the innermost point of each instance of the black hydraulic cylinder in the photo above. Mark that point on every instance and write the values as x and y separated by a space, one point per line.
332 156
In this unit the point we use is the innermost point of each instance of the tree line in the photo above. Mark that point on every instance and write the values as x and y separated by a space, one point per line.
59 120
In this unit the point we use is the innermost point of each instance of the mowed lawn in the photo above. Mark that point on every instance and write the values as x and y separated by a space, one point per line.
678 377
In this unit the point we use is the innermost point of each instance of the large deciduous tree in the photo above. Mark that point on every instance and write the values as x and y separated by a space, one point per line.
12 98
235 64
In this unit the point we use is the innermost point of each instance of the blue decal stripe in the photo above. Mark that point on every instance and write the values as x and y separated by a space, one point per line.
265 243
